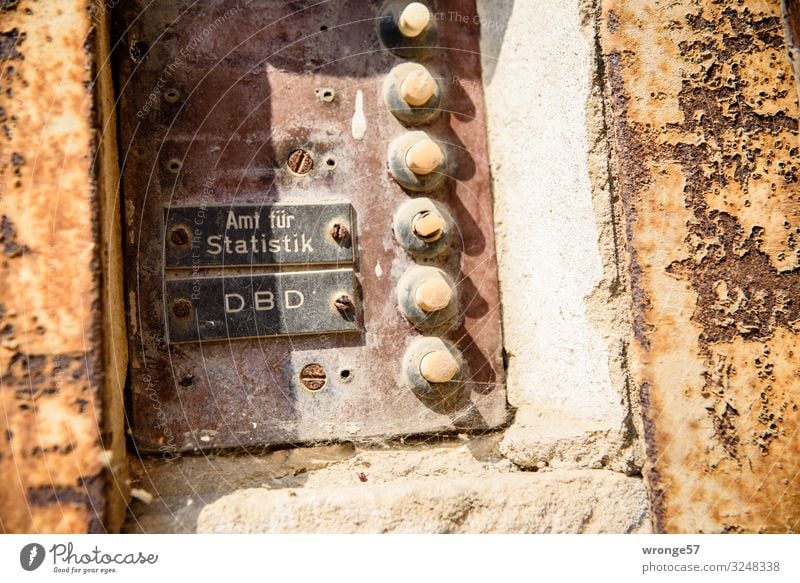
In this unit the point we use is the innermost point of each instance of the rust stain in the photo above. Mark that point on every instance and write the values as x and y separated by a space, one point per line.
246 124
51 413
791 25
704 120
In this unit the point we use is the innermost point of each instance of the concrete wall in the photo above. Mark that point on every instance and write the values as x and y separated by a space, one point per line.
571 459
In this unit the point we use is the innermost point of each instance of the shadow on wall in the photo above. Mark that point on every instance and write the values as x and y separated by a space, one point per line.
493 18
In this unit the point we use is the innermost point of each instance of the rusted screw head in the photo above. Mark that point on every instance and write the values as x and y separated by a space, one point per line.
413 20
179 236
300 162
429 226
339 233
313 377
344 304
438 367
182 308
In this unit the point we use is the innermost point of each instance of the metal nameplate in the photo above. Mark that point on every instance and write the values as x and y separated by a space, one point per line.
261 305
259 235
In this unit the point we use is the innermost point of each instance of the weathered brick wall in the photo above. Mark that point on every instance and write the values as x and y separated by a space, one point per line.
55 436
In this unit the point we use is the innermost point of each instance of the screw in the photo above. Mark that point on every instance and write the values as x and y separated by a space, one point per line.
339 233
179 236
344 304
182 308
313 377
300 162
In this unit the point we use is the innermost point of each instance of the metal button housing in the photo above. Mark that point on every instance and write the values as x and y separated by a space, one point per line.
432 368
414 149
407 81
422 297
407 220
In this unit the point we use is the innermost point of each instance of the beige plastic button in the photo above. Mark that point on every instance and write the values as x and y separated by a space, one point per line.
424 157
438 367
413 20
429 226
433 294
418 87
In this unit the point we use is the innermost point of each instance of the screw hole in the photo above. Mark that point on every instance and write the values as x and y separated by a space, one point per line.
326 94
346 375
174 165
330 162
171 95
323 28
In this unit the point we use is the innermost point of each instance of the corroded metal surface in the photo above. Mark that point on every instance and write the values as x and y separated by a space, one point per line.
703 113
791 26
225 103
52 455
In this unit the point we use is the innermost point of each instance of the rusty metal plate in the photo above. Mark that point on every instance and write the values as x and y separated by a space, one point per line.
275 234
265 102
704 119
260 305
54 377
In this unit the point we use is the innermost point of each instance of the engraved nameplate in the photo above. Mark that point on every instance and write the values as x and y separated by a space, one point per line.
259 235
261 305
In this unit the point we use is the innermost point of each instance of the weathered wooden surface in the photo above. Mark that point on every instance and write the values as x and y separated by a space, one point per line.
703 114
53 435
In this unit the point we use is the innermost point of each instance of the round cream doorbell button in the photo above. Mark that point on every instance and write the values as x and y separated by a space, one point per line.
438 367
418 86
408 29
424 157
433 294
413 19
412 93
427 298
423 228
416 162
433 368
429 226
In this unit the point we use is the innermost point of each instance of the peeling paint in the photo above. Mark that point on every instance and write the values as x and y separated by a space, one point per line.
703 112
50 358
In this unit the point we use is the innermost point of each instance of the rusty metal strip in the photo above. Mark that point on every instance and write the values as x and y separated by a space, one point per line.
791 26
52 457
703 115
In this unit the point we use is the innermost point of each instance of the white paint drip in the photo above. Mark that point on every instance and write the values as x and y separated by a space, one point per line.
359 119
378 270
